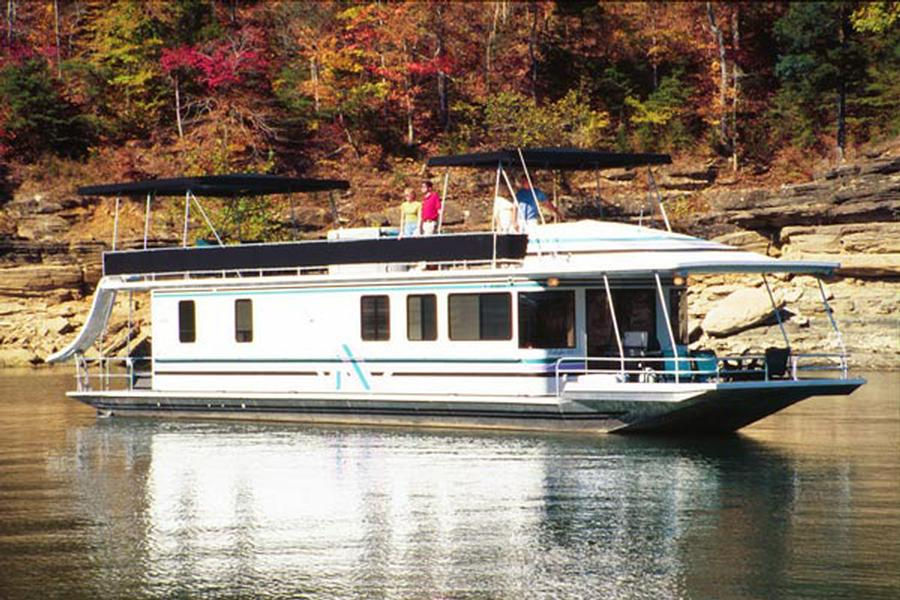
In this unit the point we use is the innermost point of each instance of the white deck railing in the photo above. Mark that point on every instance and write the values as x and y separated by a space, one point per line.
104 373
360 268
689 369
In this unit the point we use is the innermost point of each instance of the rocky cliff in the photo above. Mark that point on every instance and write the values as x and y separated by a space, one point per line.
49 259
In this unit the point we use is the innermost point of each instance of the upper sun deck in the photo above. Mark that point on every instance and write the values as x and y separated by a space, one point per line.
579 249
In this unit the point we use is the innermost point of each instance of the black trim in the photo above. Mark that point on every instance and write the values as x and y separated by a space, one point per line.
222 186
457 247
356 410
567 159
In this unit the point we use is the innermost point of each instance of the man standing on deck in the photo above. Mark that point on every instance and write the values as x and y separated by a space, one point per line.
528 208
431 209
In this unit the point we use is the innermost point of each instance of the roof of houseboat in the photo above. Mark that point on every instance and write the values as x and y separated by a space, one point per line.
223 186
601 246
566 159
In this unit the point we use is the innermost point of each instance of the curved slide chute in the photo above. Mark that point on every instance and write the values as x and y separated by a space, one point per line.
101 307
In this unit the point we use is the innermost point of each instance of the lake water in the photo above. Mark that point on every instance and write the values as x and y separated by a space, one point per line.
805 504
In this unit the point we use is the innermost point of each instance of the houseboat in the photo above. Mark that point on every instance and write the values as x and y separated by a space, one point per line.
578 326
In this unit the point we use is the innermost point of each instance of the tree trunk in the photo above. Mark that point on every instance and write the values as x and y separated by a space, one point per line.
843 32
350 140
532 50
410 132
723 73
736 83
10 17
56 29
314 74
178 109
653 60
489 47
443 109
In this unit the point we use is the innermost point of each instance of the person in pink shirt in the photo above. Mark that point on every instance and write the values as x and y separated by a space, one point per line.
431 209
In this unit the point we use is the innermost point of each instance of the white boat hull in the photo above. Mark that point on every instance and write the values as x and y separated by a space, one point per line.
623 408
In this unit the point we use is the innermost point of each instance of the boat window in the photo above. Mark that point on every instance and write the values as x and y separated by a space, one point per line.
480 316
636 311
187 322
635 315
375 317
678 307
547 319
421 317
243 320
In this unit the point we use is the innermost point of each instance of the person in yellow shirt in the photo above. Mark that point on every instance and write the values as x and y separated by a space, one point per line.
410 213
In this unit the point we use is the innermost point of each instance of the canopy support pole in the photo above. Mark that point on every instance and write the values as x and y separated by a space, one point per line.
777 313
335 217
555 203
187 214
440 222
494 199
659 201
116 224
147 220
494 223
128 348
665 311
834 326
530 185
206 218
615 320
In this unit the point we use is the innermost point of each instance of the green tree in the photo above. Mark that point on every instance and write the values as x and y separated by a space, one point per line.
38 119
821 62
513 119
660 121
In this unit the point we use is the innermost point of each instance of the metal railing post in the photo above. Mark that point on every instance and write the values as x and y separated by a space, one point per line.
837 331
655 189
116 224
440 222
777 312
665 311
187 213
537 204
612 312
147 220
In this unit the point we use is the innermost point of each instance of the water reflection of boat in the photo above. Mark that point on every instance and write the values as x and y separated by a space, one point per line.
570 326
225 505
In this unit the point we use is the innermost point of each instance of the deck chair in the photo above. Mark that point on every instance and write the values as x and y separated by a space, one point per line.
777 361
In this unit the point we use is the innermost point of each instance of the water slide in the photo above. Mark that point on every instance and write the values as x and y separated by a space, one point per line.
104 299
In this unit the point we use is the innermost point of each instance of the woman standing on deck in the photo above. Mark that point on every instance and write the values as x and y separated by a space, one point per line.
410 214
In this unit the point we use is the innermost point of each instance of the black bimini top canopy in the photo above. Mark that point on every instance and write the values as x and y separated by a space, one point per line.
566 159
225 186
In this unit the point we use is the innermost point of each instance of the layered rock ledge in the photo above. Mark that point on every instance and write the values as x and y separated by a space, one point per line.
847 215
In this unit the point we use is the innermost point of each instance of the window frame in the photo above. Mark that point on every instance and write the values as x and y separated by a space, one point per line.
382 331
243 335
479 295
422 320
570 333
183 331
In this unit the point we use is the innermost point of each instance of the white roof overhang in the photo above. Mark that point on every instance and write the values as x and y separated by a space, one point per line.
674 262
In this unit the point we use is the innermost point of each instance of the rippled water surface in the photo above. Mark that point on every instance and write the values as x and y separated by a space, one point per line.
805 504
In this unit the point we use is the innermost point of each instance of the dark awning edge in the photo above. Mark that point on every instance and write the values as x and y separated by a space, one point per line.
570 159
226 186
